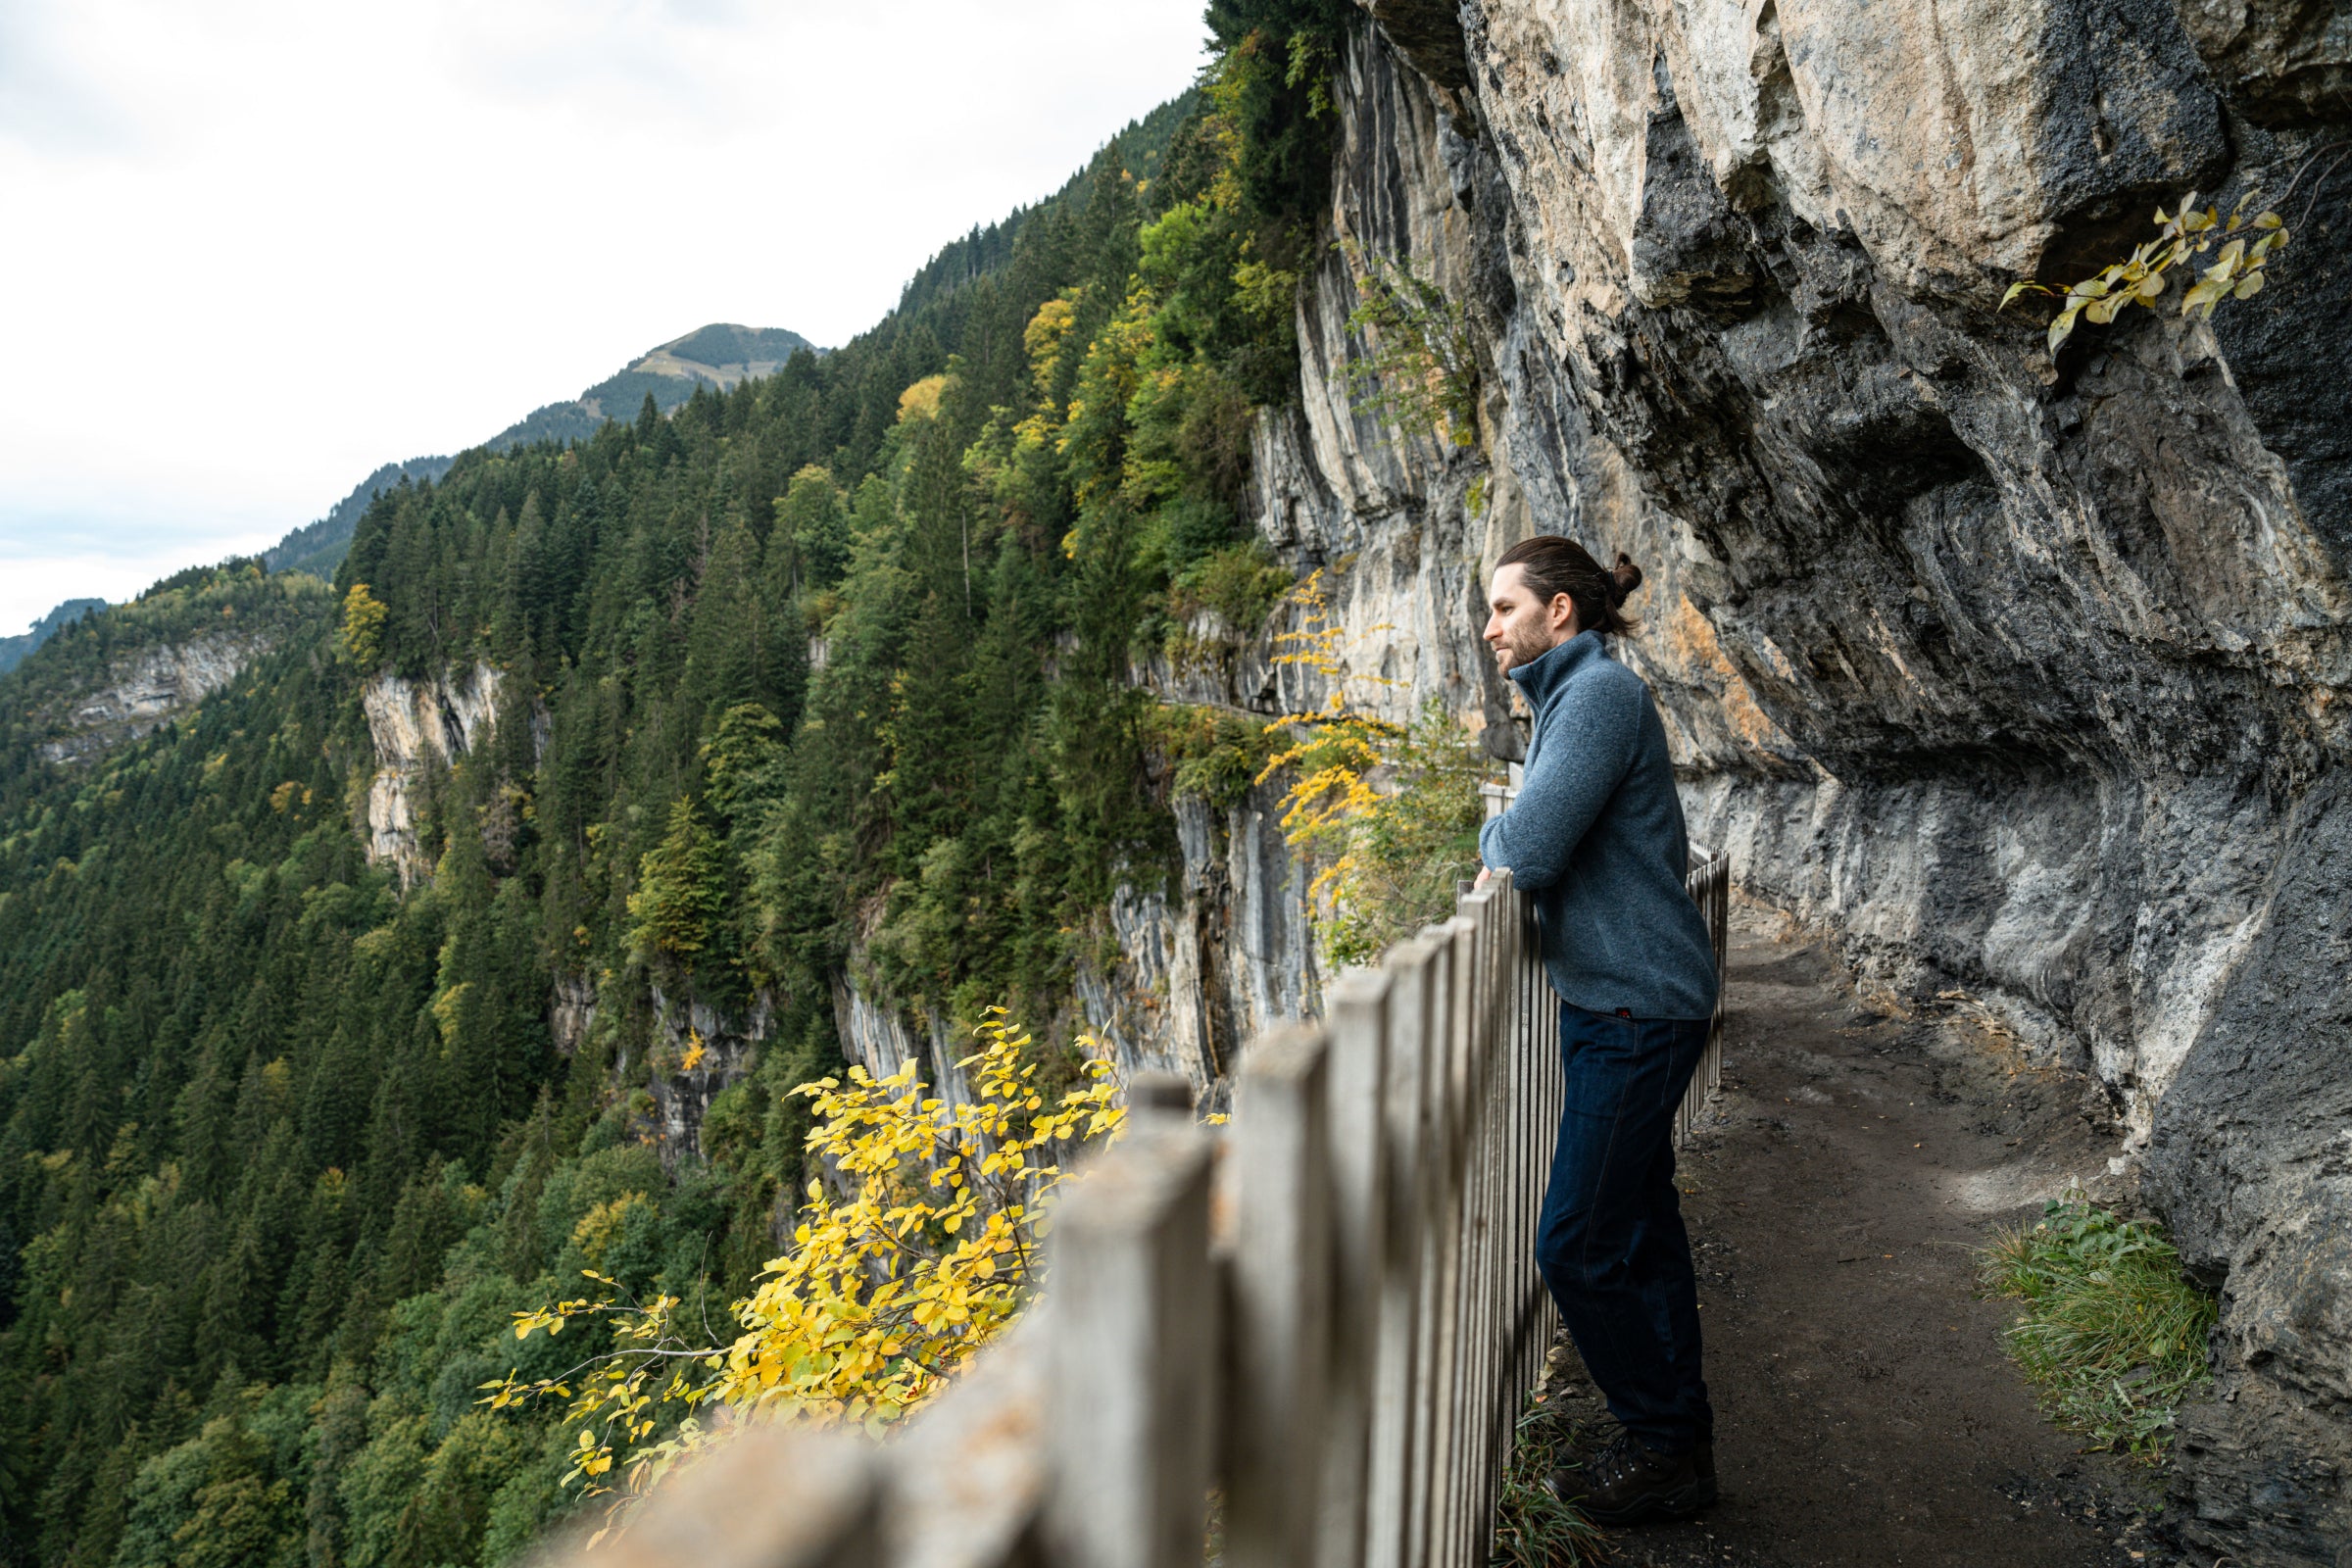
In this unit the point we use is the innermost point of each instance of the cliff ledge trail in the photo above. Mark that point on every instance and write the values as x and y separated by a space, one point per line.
1866 1413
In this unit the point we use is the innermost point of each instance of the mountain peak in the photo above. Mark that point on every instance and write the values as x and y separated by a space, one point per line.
722 355
725 353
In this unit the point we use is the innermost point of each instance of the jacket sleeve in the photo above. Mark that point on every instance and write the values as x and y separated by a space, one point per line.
1588 746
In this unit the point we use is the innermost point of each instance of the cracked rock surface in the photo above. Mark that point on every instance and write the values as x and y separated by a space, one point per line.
2023 676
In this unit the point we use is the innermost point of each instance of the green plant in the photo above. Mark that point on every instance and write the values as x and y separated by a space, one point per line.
1242 582
2113 1333
1392 810
2142 278
1214 753
1534 1528
1420 368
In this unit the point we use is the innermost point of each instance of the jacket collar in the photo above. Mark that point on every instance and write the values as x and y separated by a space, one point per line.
1544 677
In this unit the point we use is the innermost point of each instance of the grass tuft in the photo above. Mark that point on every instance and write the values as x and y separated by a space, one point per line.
1533 1529
2113 1334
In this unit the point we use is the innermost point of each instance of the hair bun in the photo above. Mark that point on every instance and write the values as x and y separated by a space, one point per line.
1623 578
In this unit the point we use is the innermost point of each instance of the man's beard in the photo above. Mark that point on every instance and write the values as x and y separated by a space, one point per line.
1527 644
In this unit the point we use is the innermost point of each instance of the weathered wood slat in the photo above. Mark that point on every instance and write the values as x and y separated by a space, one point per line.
1396 1407
965 1484
1435 1194
1280 1329
1128 1402
771 1497
1358 1009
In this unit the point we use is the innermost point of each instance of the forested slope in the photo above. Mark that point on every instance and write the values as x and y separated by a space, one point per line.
835 661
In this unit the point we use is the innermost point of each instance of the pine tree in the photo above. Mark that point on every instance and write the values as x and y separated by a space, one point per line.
679 902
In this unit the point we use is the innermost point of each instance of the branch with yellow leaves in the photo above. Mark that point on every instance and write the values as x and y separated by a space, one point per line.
930 1252
1392 809
2142 278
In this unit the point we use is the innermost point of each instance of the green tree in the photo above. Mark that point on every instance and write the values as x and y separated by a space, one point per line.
812 526
682 888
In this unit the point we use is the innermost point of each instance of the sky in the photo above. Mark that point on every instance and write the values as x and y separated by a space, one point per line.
254 248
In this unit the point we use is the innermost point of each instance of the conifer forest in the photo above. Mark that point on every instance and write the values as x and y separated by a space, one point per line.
290 1131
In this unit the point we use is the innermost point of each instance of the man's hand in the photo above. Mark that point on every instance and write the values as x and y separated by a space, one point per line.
1485 873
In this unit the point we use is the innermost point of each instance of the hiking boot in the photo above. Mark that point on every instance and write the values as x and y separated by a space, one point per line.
1702 1460
1626 1483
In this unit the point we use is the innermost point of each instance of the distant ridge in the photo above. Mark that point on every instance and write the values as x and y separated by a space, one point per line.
13 650
719 356
317 548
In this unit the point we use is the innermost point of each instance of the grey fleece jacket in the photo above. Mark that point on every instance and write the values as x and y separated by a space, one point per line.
1597 835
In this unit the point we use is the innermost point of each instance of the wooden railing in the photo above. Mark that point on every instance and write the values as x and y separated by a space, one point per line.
1328 1315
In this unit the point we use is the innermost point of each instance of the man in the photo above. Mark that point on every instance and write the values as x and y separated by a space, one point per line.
1596 836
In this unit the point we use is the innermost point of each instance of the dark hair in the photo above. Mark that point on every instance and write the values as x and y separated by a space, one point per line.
1555 566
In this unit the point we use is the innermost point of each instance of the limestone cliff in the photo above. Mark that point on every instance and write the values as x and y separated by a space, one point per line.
416 725
2022 673
145 690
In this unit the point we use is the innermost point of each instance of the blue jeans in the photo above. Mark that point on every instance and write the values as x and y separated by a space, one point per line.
1611 1242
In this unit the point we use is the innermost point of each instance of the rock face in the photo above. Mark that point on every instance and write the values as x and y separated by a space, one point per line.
147 689
416 725
698 1052
2025 675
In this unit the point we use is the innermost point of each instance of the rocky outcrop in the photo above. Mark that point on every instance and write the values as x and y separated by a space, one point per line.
1213 960
1193 969
144 691
696 1053
416 725
883 1038
572 1010
2023 674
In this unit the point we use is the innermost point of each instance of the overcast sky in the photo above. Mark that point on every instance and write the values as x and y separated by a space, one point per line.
254 248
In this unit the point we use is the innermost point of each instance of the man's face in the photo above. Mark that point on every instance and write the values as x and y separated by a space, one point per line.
1524 628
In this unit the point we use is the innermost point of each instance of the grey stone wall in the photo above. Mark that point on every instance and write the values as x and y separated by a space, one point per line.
2022 673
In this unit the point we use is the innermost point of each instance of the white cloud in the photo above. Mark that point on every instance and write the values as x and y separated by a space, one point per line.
257 247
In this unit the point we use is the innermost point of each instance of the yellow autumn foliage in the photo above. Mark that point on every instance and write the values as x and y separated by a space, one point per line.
921 400
1334 750
2246 241
1390 810
364 627
927 1252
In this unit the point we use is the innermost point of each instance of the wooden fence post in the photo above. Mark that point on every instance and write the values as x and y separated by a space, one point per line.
1435 1191
1281 1300
1358 1009
1128 1411
1396 1407
728 1509
965 1481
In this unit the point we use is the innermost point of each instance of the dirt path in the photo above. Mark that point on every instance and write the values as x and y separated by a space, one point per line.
1866 1413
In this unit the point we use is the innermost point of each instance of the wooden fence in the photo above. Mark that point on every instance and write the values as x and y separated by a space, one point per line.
1329 1315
